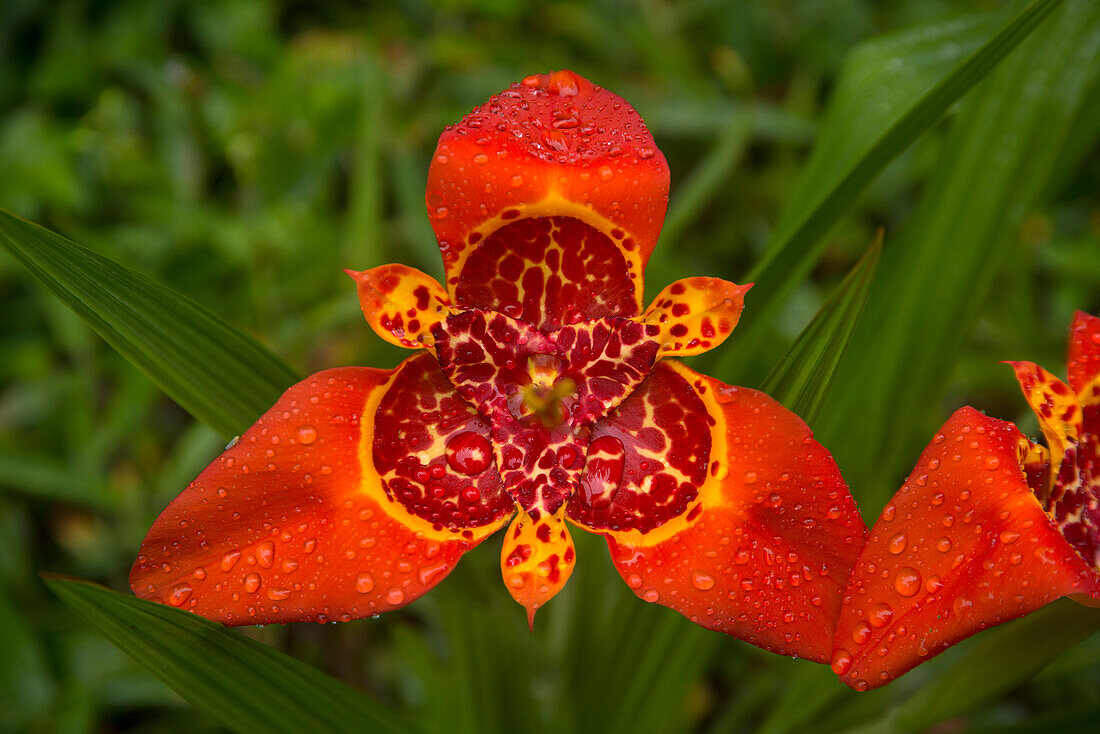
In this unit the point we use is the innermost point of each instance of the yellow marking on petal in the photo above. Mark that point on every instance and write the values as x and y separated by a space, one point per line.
1090 393
1054 404
695 314
401 304
371 482
556 205
1033 458
537 559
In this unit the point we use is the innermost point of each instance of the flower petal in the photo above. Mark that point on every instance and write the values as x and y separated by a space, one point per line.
695 314
401 304
763 549
570 195
964 545
1054 404
293 522
536 559
1083 361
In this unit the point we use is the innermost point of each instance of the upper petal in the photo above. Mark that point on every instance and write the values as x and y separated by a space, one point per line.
962 546
1083 359
548 199
763 548
295 523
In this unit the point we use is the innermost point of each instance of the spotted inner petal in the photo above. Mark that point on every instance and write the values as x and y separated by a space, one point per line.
695 314
536 559
401 303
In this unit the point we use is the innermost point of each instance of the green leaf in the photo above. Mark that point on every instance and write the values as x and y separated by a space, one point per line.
937 276
218 374
801 378
795 247
247 686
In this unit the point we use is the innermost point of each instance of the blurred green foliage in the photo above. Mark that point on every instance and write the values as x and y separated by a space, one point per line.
244 152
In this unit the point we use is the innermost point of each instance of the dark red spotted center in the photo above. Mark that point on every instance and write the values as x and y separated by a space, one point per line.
550 271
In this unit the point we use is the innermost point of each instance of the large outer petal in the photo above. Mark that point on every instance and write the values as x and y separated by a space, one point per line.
292 523
765 551
552 145
964 545
1083 360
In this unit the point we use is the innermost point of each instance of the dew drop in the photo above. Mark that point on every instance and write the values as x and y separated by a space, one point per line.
862 632
634 581
252 583
702 581
179 594
278 594
651 595
306 435
842 661
897 543
395 596
943 544
469 453
229 560
364 584
880 614
907 581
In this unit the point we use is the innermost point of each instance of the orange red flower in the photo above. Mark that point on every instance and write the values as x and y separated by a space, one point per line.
543 394
990 526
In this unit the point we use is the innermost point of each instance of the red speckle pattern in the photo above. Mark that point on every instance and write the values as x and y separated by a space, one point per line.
548 271
1083 360
658 446
560 134
279 529
1075 496
581 371
964 545
415 423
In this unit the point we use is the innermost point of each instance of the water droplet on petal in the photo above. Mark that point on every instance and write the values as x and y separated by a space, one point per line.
179 594
395 596
469 453
897 543
702 581
364 583
252 583
907 581
842 661
306 434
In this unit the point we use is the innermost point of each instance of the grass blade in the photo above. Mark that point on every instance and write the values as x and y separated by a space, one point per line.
801 378
247 686
795 248
218 374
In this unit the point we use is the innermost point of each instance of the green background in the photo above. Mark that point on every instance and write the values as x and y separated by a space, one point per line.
244 152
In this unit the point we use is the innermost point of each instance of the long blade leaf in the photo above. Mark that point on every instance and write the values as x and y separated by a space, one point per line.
801 378
247 686
793 252
217 373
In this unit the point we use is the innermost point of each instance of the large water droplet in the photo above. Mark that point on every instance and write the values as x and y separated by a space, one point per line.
842 661
469 453
861 633
179 594
265 554
702 581
879 614
306 435
364 583
395 596
252 583
907 581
